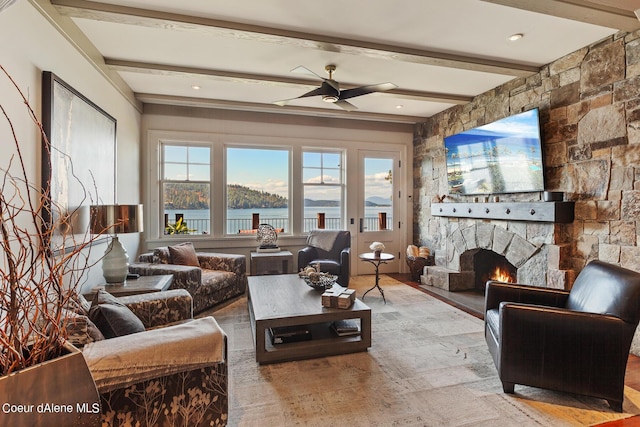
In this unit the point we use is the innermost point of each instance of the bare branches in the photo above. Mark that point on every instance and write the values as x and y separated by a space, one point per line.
36 283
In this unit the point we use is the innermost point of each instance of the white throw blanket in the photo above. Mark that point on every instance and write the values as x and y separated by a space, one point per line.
322 239
137 357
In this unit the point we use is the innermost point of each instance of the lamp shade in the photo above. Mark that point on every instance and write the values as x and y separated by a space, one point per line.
116 219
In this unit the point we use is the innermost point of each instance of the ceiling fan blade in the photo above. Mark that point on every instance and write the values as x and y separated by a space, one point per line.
304 70
363 90
322 90
345 105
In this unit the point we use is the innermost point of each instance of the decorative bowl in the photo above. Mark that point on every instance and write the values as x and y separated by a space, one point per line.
321 282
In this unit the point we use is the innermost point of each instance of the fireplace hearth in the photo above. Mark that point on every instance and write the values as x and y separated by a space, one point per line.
525 252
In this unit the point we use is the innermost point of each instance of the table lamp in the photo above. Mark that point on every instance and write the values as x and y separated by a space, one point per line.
115 219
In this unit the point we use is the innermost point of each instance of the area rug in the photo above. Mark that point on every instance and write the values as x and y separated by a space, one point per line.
428 366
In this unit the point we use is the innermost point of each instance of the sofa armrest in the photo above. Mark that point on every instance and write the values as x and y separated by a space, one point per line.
306 255
497 292
146 257
236 264
150 354
184 276
160 308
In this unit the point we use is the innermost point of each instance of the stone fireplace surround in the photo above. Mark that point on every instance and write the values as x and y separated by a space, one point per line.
590 114
529 247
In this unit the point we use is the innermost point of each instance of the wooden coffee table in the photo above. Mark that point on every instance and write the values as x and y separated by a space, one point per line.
286 300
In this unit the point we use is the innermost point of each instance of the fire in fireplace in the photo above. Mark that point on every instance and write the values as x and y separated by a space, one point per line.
488 265
502 276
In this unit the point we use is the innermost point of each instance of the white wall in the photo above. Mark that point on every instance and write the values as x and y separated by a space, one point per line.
29 44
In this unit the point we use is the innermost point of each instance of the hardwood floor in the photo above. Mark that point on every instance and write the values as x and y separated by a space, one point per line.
471 304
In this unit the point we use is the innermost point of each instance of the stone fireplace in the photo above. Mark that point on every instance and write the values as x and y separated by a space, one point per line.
473 248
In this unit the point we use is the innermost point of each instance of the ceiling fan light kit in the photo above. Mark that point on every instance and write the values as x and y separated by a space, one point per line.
330 91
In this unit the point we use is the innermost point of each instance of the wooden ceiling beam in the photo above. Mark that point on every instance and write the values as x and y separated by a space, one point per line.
164 20
163 69
597 12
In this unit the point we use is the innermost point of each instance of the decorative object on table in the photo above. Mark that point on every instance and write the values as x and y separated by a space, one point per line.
267 237
377 248
338 297
116 219
313 277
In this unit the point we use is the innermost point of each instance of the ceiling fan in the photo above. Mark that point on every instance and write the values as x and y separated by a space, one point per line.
330 89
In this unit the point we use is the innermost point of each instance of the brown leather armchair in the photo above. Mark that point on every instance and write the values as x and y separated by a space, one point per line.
576 342
332 250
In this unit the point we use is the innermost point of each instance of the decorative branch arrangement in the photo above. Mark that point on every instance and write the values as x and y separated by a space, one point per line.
37 283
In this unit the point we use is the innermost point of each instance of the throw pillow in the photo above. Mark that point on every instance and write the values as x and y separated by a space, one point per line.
113 318
80 329
184 254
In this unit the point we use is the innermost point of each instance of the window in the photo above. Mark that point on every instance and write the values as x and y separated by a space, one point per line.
186 189
257 189
378 193
323 188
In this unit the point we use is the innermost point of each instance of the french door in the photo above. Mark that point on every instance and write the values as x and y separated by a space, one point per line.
378 208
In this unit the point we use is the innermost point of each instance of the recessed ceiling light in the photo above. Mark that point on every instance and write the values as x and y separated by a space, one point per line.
195 87
399 106
515 37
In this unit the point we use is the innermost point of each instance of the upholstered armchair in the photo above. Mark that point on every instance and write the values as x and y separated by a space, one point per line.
211 278
576 342
173 371
331 249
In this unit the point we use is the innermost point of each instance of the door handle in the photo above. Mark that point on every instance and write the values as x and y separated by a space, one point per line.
361 225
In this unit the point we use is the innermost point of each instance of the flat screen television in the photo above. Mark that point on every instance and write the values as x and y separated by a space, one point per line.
504 156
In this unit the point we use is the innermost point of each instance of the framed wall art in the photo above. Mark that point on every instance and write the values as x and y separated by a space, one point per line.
78 160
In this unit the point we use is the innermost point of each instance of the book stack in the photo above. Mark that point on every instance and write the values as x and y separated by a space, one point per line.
345 327
338 297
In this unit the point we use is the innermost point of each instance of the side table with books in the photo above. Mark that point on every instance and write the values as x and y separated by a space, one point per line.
140 285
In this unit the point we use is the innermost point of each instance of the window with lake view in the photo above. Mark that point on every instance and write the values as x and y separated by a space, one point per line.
322 180
257 188
186 189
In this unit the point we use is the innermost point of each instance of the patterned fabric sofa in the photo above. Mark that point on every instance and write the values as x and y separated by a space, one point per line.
216 278
172 373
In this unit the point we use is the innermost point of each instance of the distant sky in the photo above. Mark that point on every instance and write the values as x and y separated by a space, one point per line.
268 172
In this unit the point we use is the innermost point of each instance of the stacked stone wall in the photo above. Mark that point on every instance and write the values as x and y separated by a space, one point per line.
590 116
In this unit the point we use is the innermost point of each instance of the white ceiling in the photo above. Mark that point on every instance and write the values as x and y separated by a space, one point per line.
241 52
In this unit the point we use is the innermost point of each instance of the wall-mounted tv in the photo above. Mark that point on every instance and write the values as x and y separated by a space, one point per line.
500 157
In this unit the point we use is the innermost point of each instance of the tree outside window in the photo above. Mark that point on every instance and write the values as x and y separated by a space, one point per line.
257 189
186 189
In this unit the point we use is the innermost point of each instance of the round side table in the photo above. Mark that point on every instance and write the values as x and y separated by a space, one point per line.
376 260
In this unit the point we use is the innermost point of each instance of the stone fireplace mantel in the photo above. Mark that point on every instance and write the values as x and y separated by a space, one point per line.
515 211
